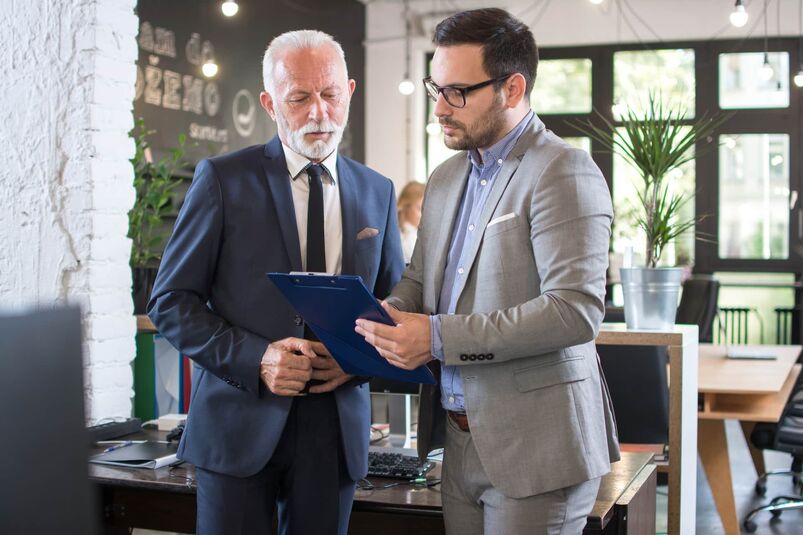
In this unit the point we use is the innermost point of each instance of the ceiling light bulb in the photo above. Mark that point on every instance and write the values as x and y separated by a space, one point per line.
406 87
766 73
596 2
209 69
798 79
739 16
433 129
229 8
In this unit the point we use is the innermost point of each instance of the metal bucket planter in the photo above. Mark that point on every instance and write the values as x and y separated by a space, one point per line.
651 297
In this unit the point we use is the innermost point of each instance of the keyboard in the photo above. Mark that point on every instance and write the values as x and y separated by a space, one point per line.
109 430
396 465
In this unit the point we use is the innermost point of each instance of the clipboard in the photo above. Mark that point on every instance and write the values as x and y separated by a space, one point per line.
330 305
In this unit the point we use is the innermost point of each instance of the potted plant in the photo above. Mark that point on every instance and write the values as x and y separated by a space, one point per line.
655 144
155 183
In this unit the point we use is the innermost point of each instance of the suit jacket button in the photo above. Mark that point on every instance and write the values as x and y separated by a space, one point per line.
472 357
489 356
481 356
298 321
464 357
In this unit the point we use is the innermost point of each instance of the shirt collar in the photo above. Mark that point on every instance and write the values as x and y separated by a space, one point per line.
297 163
500 150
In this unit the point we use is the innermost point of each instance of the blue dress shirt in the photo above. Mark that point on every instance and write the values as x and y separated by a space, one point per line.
480 181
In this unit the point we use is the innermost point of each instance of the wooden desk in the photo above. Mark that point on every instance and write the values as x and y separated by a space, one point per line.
746 390
153 499
681 344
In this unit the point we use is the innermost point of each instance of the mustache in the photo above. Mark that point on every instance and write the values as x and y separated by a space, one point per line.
450 123
326 126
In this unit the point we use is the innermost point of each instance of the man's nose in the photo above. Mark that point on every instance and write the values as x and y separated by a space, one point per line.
442 108
317 111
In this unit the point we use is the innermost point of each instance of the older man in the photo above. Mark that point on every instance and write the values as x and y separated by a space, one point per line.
291 205
509 273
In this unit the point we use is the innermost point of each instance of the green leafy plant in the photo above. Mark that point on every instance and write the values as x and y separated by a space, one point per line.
154 183
655 145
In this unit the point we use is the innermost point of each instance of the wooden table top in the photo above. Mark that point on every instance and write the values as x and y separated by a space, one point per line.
718 374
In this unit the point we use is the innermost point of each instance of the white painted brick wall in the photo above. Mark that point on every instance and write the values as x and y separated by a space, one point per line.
68 86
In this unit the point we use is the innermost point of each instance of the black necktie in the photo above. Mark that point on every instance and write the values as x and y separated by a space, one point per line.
316 245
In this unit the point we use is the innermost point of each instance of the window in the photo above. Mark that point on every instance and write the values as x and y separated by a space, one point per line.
562 86
668 74
754 196
745 82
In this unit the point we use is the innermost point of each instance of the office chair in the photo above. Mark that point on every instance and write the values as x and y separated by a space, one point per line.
636 377
786 436
787 320
734 323
698 305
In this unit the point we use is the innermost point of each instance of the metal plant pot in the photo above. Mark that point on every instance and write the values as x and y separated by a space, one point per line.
651 297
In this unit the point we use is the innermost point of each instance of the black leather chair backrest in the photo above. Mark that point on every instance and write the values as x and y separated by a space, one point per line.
636 377
698 304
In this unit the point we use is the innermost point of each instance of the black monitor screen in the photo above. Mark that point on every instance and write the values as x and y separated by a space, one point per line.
45 484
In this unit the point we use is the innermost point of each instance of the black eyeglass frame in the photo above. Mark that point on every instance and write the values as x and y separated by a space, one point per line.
433 90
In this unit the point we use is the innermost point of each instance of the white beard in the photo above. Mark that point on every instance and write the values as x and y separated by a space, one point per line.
316 150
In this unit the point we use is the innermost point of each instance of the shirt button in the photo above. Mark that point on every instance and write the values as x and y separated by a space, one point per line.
500 161
460 271
451 399
471 227
483 182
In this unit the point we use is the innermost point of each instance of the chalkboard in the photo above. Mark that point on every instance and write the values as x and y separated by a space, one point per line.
223 113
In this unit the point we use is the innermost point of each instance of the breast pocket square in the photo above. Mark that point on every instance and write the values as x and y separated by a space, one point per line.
367 232
501 218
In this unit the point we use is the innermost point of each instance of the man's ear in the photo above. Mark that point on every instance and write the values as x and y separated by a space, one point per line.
515 89
267 103
352 87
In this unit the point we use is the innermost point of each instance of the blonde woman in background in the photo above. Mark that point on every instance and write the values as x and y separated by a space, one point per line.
409 212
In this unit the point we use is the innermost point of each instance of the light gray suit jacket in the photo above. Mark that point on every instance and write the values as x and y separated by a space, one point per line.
527 314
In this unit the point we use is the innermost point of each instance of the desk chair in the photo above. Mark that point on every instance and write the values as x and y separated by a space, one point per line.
698 304
787 436
787 320
636 377
733 325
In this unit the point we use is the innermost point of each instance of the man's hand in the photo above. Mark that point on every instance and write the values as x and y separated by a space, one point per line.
406 345
325 368
282 370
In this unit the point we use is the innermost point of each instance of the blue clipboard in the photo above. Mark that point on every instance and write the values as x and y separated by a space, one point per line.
330 305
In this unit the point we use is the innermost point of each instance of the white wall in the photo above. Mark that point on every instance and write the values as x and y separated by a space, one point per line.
68 86
393 151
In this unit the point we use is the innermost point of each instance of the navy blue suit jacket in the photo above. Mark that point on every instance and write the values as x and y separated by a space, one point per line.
213 302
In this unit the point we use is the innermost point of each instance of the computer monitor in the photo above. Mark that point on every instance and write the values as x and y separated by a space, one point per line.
400 415
45 481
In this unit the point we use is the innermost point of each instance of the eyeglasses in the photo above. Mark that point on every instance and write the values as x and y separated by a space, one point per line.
456 96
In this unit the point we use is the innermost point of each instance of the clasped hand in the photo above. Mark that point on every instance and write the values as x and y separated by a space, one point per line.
289 364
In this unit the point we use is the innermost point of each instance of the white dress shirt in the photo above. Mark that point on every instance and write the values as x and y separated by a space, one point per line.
332 217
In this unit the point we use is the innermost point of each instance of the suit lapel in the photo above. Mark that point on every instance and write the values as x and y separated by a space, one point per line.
347 187
447 206
278 180
500 184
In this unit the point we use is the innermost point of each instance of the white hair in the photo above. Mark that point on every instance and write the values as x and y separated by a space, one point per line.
295 40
